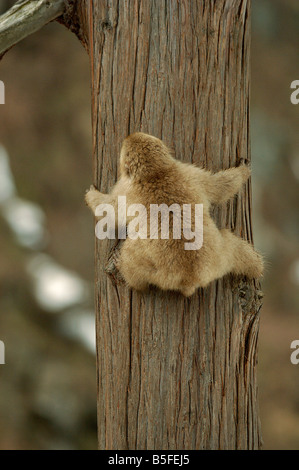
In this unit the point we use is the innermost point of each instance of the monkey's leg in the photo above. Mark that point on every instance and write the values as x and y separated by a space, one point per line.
134 266
241 256
187 290
226 253
223 185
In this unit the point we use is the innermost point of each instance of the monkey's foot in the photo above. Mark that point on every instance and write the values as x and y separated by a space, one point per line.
256 269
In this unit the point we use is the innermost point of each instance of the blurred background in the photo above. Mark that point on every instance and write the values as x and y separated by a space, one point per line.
48 385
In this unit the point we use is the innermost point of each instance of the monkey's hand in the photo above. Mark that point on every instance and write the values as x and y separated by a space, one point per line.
93 198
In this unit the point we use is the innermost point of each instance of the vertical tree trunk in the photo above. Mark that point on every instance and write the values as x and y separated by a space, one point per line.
174 373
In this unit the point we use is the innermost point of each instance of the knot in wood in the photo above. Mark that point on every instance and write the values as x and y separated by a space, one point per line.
105 25
250 297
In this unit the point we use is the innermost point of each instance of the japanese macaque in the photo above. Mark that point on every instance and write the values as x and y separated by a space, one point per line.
151 176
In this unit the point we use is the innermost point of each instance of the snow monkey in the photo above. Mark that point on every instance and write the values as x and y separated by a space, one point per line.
150 175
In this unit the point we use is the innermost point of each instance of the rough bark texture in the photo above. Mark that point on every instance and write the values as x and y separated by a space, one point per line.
174 373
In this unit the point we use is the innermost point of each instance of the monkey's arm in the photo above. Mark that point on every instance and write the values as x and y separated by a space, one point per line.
222 186
94 198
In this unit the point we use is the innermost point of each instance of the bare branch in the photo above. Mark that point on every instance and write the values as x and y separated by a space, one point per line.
26 17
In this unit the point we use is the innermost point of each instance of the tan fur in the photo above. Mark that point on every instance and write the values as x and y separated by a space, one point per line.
150 175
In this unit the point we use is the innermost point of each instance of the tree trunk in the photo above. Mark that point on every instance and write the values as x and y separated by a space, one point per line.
174 373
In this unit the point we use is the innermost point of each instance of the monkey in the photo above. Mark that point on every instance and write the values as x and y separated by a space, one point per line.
150 174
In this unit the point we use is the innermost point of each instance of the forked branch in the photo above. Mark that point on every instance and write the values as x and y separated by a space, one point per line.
26 17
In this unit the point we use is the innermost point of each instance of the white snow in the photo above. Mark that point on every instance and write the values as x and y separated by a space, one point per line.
26 220
80 325
7 185
55 288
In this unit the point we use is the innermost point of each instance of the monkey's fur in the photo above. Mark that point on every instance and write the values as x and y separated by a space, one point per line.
150 175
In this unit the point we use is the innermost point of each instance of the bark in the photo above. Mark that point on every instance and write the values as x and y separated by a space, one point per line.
174 373
25 18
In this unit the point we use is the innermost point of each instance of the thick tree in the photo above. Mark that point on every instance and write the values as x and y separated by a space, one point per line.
173 373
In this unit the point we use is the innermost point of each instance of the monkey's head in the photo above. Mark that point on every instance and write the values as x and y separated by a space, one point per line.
144 157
